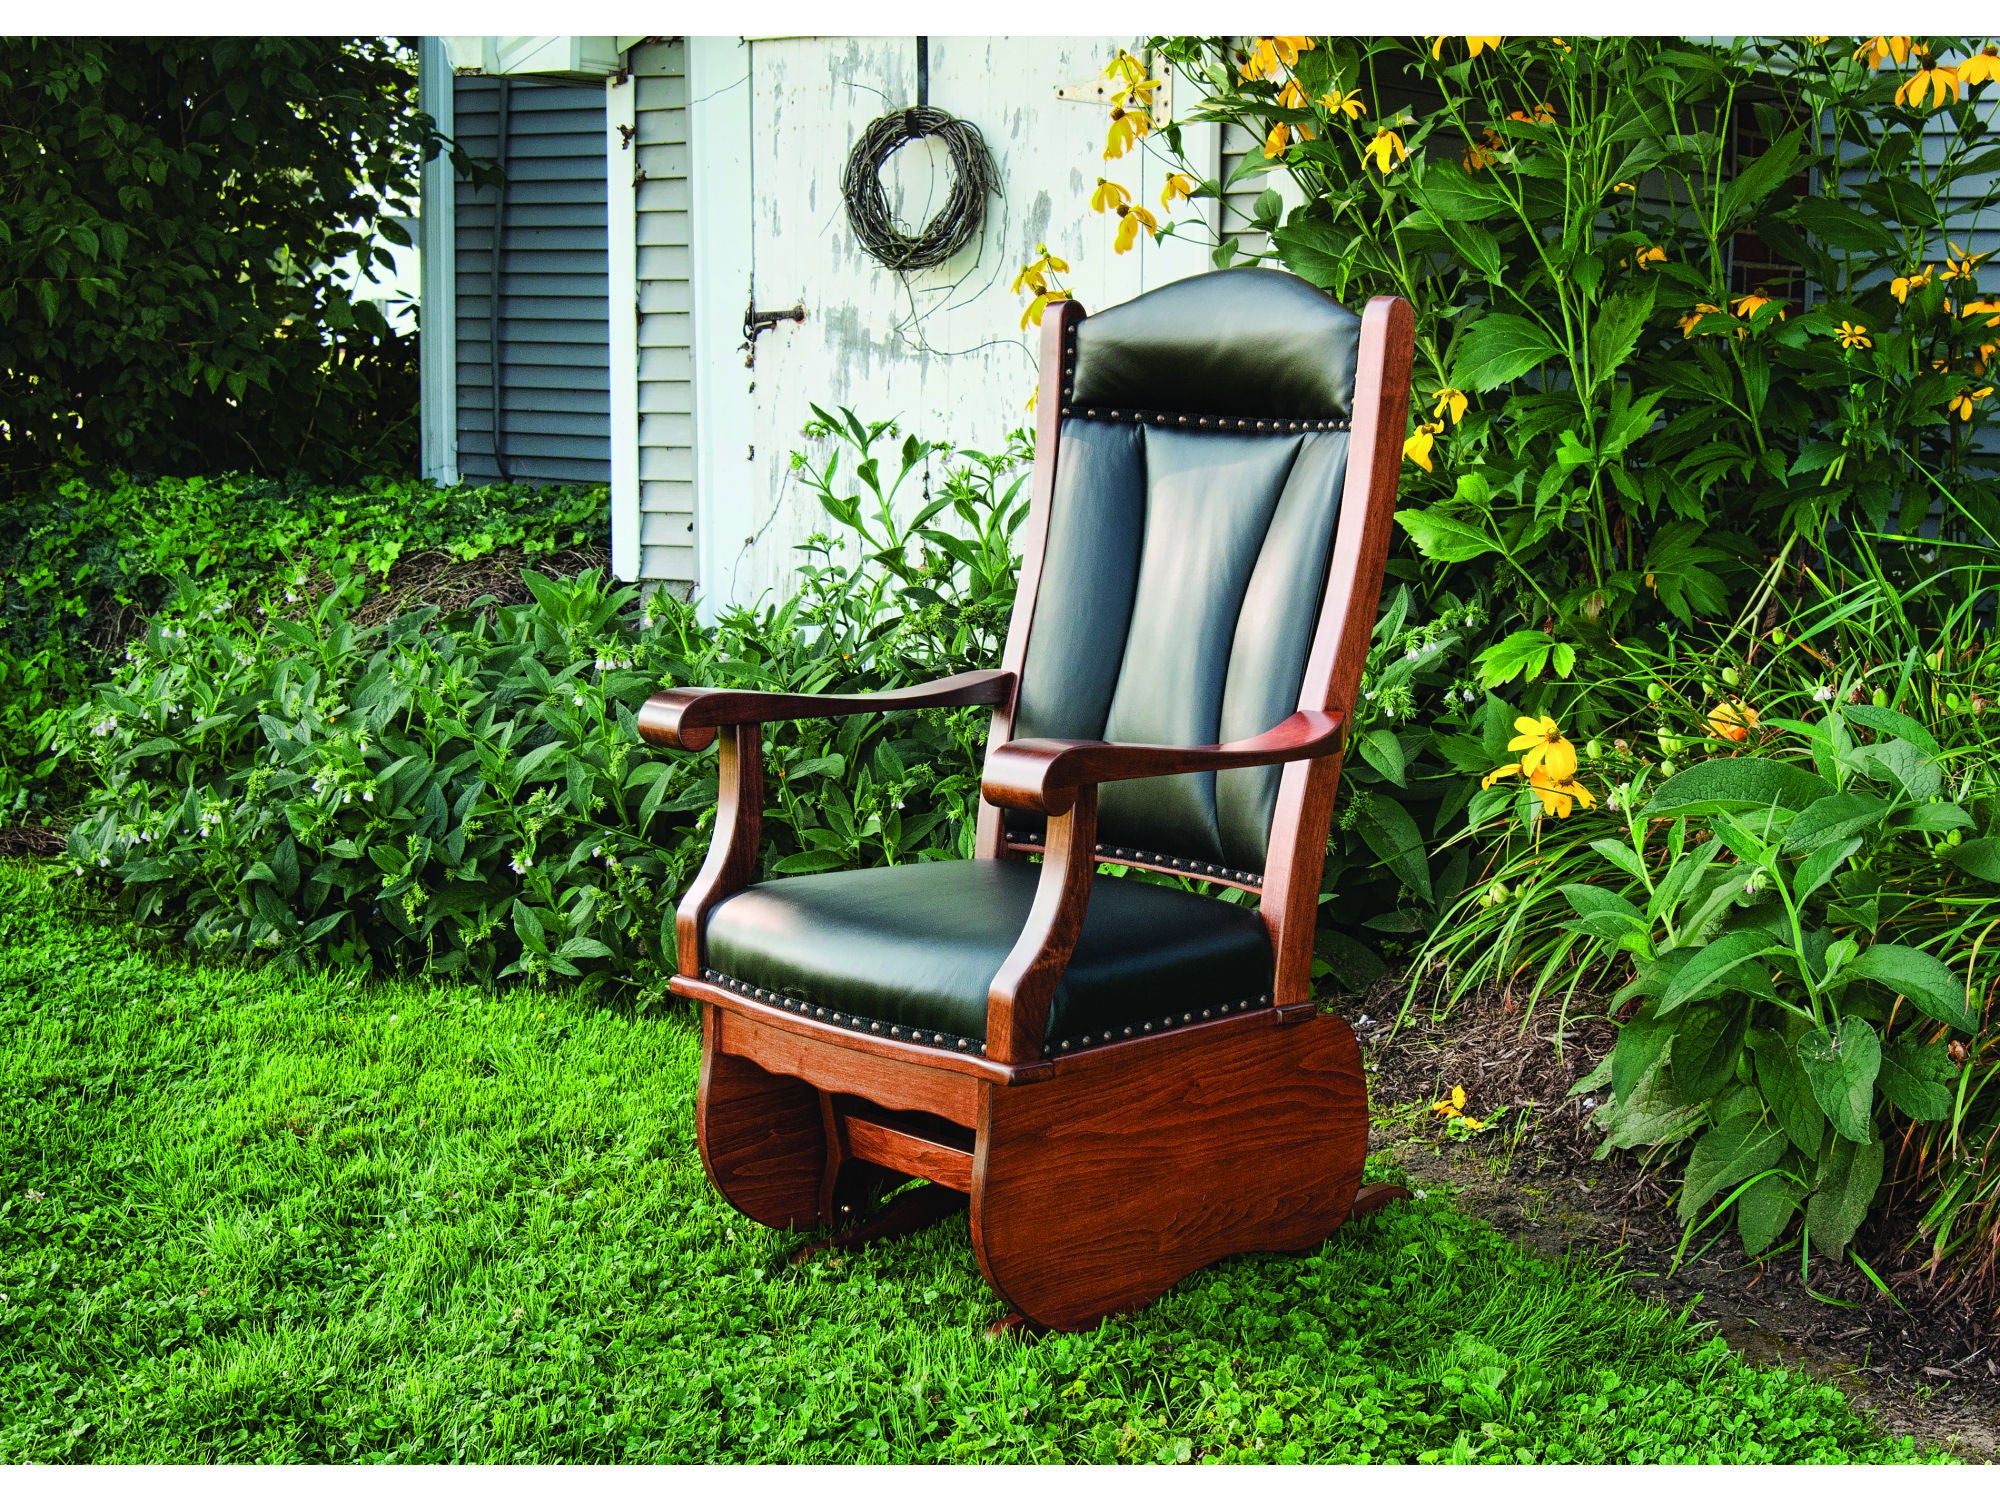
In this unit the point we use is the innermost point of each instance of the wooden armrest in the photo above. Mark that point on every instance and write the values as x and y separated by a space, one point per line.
687 718
1043 775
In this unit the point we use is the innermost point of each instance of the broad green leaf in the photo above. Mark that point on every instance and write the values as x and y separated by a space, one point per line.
1937 817
528 927
1586 900
1392 833
1831 819
1717 967
1896 725
1765 1208
1921 978
1757 179
1382 750
1818 867
1621 855
1901 762
1498 350
1522 654
1918 1077
1475 245
1313 250
1782 1080
1978 857
1730 783
1442 539
1724 1156
809 862
1640 1043
1707 1040
1843 1190
1841 1066
1616 332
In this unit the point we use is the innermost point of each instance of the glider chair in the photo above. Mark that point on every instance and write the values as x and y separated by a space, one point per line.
1128 1080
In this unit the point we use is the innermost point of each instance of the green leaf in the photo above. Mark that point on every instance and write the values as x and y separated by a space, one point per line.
1919 977
1313 250
1724 1156
1733 784
1782 1080
1621 855
1901 762
1442 539
584 947
1843 227
1918 1077
1706 1044
1716 967
1640 1043
1831 819
1616 332
1841 1066
1382 750
1979 858
1391 832
1498 350
1842 1193
1765 1208
1475 245
1818 867
528 928
1896 725
1757 180
809 862
1524 653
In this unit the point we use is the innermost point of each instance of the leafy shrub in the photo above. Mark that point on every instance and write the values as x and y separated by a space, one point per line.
1829 846
85 557
467 793
147 311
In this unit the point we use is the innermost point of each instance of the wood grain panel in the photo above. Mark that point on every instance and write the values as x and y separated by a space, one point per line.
761 1135
1096 1192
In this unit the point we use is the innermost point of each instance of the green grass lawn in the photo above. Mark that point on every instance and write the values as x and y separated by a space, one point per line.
248 1216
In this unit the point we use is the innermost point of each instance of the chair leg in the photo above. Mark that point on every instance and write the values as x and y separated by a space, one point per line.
762 1137
1096 1191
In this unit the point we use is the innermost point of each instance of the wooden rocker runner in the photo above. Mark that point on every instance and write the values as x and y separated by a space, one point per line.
1128 1080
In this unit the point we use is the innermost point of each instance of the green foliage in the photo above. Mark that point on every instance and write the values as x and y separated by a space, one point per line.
173 215
1618 418
467 793
83 563
256 1217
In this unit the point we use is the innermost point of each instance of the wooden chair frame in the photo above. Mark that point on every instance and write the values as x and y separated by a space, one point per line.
1078 1208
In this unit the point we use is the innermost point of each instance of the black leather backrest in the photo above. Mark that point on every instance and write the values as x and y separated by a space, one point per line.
1203 449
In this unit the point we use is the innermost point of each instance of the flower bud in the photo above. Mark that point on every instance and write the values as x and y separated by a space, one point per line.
1953 839
1880 698
1667 768
1731 676
1594 749
1655 692
1498 892
1777 636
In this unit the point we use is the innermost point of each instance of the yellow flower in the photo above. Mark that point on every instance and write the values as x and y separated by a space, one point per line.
1130 219
1128 127
1109 195
1179 185
1291 96
1483 152
1958 264
1982 67
1974 309
1623 187
1545 114
1125 69
1749 302
1963 401
1349 103
1474 44
1387 144
1902 286
1853 336
1545 746
1452 1108
1733 721
1939 81
1449 399
1035 310
1417 446
1877 49
1557 796
1701 310
1267 52
1652 255
1278 139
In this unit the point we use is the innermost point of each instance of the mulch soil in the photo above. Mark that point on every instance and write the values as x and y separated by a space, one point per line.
1930 1367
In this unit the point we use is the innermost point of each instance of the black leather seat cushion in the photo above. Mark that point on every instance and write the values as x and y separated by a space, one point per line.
918 946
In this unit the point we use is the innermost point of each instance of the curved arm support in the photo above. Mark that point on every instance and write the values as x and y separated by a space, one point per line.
1046 776
1017 1004
687 718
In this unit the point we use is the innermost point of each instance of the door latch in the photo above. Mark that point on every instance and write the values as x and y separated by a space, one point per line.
755 322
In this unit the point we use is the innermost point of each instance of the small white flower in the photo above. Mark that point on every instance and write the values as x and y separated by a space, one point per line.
345 798
367 796
1412 654
1823 694
103 861
1466 694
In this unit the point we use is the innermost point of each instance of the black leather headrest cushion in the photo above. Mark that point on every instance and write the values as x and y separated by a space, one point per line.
1247 342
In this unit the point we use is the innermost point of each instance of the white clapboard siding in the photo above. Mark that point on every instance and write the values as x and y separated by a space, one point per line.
666 323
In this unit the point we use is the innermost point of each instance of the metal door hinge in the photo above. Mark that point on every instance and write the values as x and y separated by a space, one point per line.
755 322
1099 91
